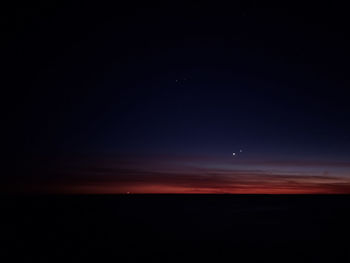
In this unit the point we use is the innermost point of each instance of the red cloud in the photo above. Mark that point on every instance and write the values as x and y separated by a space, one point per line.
166 175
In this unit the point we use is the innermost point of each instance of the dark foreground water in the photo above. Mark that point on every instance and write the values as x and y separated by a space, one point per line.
176 228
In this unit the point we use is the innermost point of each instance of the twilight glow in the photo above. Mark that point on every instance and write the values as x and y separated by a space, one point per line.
196 174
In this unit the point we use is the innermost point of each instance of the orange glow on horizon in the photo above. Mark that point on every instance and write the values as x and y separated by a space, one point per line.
173 176
173 189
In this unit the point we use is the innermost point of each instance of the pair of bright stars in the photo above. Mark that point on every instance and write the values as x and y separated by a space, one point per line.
240 151
178 80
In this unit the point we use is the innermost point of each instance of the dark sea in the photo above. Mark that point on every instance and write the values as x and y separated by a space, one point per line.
175 228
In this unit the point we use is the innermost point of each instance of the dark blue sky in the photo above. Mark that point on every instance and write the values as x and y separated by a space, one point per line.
195 78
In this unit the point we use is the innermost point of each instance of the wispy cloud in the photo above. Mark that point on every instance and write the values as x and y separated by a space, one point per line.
163 174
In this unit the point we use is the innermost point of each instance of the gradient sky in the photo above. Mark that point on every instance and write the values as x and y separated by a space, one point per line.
155 98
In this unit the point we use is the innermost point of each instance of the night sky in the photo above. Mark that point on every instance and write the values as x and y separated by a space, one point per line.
175 97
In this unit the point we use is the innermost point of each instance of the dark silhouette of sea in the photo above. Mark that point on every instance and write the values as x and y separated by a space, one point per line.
175 228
